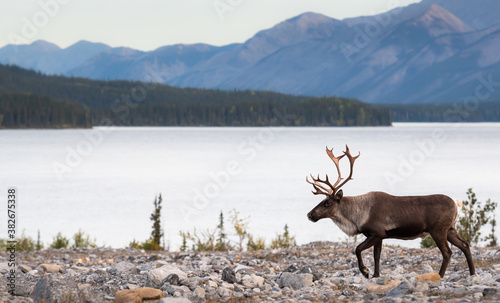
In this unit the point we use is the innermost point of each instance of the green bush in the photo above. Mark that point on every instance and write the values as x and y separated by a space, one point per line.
240 226
427 242
257 244
473 217
283 241
25 243
81 240
59 242
149 244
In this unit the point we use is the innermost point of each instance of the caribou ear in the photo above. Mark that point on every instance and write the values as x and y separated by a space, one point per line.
339 195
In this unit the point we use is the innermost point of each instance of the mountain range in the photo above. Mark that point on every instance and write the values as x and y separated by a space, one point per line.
430 52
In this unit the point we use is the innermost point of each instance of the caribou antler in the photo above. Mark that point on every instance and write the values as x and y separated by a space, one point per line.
333 188
318 187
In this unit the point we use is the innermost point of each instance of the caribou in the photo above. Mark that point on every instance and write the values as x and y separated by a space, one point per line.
379 216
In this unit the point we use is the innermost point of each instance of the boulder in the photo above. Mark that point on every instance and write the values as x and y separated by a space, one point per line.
123 267
55 288
403 289
156 276
429 277
199 293
126 296
50 267
24 268
172 279
229 275
296 281
310 270
138 295
382 288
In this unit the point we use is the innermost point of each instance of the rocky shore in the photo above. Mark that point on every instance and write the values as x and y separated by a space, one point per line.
315 272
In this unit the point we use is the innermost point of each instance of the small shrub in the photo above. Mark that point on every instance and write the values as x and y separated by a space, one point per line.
283 241
81 240
134 244
25 243
257 244
3 245
492 238
240 226
39 244
184 241
59 242
427 242
149 244
473 217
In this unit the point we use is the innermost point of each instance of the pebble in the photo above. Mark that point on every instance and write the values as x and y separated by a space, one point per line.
317 272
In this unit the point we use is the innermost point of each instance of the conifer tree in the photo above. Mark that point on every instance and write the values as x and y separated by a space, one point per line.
156 234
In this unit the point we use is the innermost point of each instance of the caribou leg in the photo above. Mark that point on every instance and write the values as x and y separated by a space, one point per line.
442 244
369 242
377 249
459 242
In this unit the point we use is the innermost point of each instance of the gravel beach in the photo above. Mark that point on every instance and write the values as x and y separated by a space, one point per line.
315 272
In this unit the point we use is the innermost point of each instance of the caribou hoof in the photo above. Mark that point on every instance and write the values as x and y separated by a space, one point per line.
364 271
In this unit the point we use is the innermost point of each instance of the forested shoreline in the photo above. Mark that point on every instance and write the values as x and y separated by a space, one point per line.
126 103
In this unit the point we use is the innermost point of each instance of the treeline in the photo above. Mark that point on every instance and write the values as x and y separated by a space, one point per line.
308 112
486 111
25 110
147 104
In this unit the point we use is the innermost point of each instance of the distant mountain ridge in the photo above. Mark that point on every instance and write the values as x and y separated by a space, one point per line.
433 51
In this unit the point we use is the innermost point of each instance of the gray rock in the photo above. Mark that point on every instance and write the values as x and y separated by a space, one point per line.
403 289
297 281
157 275
228 275
310 270
199 293
24 268
24 290
55 288
490 292
4 267
224 292
193 282
91 296
252 281
172 279
382 280
123 268
291 268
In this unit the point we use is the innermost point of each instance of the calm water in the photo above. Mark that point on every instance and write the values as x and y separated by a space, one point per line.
104 181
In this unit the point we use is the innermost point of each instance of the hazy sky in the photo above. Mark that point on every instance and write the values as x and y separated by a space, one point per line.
148 24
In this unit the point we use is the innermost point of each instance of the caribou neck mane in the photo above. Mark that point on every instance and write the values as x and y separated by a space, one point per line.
349 217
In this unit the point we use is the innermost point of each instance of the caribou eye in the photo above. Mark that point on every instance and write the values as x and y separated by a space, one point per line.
328 203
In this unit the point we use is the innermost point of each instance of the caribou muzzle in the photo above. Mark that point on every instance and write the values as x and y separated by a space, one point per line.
312 216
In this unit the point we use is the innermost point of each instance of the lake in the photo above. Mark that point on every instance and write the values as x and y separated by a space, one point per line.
104 180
